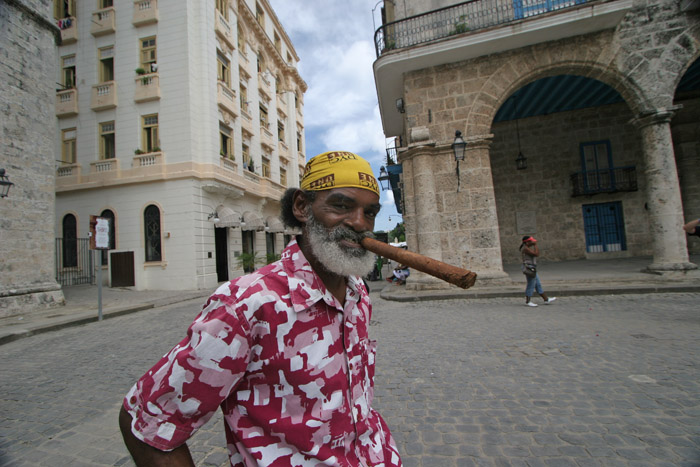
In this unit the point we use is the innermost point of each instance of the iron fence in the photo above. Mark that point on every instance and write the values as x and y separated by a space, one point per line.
612 180
463 17
75 261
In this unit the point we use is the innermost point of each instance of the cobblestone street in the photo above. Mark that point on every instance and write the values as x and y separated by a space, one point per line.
604 380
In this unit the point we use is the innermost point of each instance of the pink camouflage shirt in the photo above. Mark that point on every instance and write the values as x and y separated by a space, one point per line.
291 369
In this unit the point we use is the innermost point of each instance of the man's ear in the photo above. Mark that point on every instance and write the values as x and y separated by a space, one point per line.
300 204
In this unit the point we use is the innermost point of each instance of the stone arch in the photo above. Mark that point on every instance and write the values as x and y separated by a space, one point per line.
496 91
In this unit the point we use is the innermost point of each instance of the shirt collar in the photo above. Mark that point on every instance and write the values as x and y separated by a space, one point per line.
305 287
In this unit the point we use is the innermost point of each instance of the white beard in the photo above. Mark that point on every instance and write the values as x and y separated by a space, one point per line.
336 258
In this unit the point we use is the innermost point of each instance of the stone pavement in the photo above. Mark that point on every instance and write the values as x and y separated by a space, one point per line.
566 278
603 380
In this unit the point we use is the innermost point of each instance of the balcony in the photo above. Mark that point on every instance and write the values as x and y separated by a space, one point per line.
226 98
593 182
103 22
469 16
68 170
69 30
104 96
150 163
103 166
264 86
147 88
228 164
145 12
67 103
223 30
475 29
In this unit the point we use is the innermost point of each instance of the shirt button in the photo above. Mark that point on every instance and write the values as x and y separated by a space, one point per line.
132 400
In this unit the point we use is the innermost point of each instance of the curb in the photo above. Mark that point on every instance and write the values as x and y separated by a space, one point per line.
559 291
87 317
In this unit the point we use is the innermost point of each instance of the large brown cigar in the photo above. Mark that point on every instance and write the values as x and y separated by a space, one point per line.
452 274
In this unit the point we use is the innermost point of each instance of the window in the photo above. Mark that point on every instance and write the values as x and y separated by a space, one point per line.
68 146
106 3
149 133
241 40
248 239
247 160
148 54
296 101
63 8
112 235
278 42
68 71
106 66
261 63
270 246
260 15
69 248
222 7
151 222
283 176
223 69
263 117
299 141
225 141
596 163
280 130
107 148
244 99
265 167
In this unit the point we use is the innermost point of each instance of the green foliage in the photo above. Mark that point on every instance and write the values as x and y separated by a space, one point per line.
271 257
461 26
138 152
247 261
398 232
140 71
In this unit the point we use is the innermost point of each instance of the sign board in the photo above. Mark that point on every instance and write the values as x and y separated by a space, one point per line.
525 222
99 232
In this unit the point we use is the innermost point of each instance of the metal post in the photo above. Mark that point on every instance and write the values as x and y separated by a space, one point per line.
99 285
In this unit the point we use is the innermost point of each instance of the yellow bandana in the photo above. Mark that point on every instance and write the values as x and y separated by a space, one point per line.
338 169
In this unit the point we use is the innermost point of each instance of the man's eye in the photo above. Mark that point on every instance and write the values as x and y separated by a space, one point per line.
371 214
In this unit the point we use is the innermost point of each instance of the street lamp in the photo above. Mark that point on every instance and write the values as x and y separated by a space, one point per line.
458 148
5 184
384 178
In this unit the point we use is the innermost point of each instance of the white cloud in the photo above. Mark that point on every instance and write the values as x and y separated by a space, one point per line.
334 42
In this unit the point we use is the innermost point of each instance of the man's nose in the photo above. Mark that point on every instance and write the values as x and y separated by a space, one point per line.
358 221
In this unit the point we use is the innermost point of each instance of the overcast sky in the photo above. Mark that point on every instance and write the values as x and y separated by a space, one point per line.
334 42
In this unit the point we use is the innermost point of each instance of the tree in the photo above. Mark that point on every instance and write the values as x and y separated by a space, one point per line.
398 232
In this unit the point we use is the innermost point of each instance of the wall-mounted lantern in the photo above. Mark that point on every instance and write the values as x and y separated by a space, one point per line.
5 184
458 148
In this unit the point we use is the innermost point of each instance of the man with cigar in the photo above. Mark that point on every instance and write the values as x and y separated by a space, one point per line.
283 351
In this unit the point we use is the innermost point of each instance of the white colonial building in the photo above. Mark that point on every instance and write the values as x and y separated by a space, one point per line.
182 122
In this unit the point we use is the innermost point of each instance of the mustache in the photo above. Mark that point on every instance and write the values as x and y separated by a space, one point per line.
346 233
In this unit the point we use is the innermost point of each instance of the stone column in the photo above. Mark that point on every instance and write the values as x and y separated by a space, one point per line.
663 193
421 211
456 227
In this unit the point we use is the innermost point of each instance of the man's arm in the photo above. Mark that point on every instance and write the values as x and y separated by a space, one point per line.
146 455
690 226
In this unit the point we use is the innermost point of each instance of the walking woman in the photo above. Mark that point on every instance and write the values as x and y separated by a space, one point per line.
530 252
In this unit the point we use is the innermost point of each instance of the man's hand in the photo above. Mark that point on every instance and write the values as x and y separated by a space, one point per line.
146 455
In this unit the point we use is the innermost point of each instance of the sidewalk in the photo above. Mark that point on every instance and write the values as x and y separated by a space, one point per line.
566 278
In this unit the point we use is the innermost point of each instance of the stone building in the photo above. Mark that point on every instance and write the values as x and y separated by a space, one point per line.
181 122
28 39
601 98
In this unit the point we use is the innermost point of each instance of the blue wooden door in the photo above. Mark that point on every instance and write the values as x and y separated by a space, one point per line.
604 227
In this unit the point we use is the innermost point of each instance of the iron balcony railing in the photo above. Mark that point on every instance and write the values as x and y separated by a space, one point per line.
612 180
463 17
